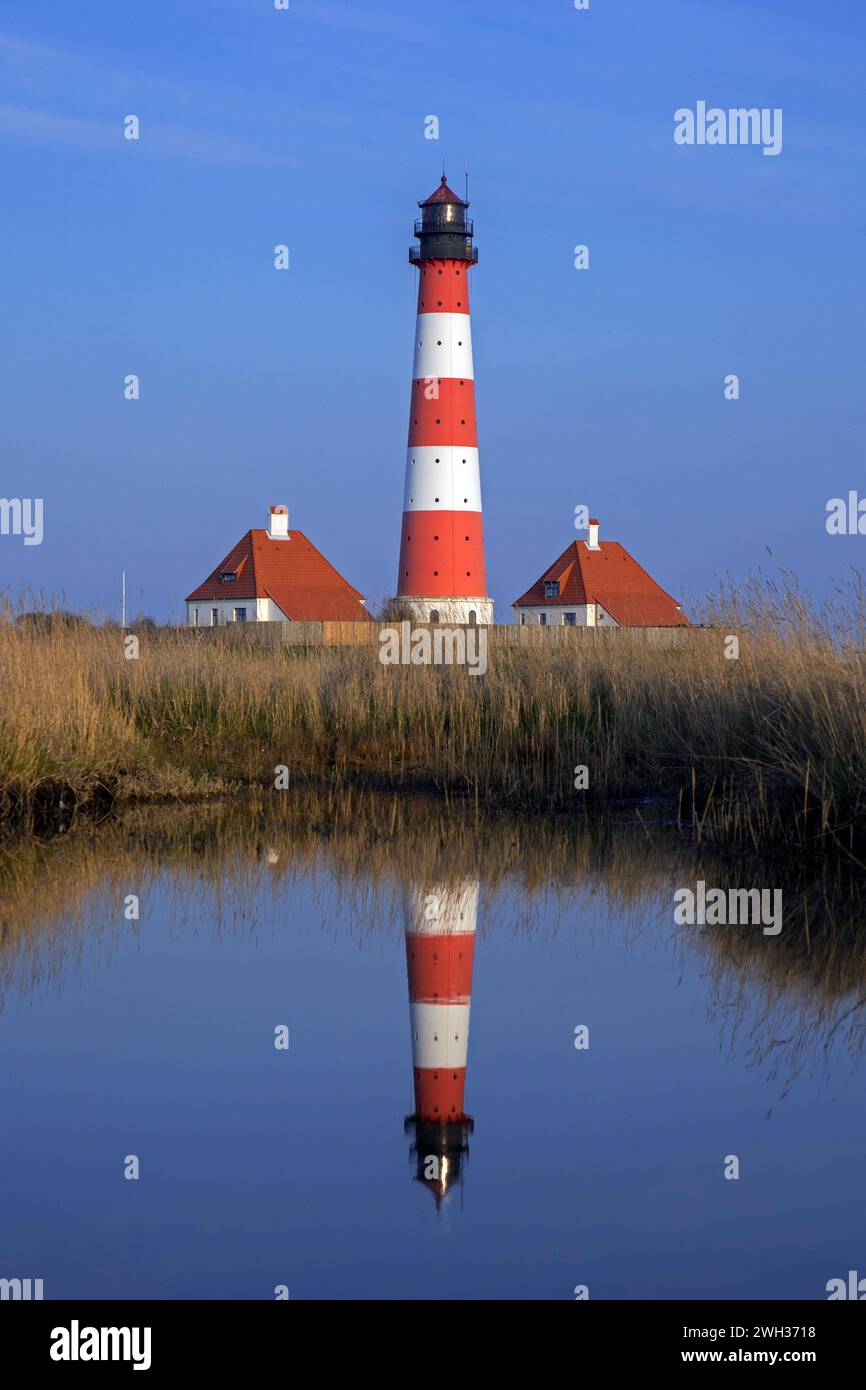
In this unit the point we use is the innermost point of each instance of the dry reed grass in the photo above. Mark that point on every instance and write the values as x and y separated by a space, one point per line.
768 748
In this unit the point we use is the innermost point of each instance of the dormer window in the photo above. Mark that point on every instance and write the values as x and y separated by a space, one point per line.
551 588
228 576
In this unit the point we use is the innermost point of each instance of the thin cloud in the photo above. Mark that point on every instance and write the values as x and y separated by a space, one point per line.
48 127
25 124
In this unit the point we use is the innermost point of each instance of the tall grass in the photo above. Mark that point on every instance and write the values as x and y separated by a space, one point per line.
767 747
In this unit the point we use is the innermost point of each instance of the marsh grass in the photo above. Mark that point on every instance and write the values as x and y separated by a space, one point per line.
768 748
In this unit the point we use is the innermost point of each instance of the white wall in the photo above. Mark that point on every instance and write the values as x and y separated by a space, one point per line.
259 610
588 615
451 609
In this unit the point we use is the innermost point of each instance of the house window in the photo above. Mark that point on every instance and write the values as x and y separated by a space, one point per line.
523 620
240 615
214 617
227 576
195 617
570 619
473 618
542 618
434 615
551 588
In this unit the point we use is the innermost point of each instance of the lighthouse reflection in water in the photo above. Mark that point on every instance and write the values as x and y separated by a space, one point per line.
440 943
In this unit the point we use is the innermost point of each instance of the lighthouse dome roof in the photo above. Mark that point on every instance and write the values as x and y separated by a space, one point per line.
443 194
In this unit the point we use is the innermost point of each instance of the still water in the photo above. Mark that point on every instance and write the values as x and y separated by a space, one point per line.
430 1130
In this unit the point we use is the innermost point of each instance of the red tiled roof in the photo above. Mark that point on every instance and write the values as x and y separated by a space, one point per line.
292 572
611 577
443 194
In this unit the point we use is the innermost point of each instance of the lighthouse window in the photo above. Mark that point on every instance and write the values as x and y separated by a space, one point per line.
435 538
435 499
466 538
436 572
438 342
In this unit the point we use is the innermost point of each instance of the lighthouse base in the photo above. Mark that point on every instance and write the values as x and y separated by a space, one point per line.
473 612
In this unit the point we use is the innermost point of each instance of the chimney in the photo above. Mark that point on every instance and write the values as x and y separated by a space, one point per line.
278 523
592 535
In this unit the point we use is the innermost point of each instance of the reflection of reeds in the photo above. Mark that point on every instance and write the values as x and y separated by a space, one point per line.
770 747
812 977
794 995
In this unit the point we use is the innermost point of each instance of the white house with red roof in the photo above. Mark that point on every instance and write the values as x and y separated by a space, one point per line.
597 583
274 575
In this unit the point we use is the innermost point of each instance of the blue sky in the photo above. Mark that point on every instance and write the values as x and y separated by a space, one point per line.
306 127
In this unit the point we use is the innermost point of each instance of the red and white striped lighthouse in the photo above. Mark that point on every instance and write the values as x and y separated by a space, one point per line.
440 944
441 576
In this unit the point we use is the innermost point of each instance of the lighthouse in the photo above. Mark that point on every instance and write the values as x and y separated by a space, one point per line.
440 942
441 575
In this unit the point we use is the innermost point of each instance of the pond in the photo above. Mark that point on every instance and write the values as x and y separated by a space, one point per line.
349 1047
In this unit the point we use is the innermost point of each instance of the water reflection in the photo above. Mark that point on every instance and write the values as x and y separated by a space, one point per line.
440 947
785 999
330 914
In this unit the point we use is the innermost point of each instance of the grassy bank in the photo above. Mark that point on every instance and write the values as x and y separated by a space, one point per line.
769 747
